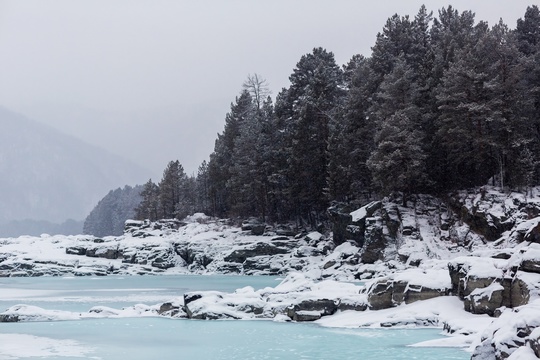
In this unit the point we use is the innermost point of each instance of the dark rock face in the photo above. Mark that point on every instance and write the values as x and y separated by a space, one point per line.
341 218
464 282
257 228
418 293
479 219
533 235
311 310
258 249
530 265
352 305
168 309
519 293
230 268
76 250
374 242
485 300
111 253
9 318
345 227
380 296
385 294
163 260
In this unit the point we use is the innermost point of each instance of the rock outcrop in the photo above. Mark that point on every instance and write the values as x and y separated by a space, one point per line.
516 332
406 288
297 298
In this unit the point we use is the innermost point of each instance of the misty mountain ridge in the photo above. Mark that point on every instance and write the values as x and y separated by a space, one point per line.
46 175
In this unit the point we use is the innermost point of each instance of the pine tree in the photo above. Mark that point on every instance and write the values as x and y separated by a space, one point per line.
464 131
202 188
398 161
395 39
351 135
528 38
149 206
221 159
278 130
170 187
187 202
528 31
316 90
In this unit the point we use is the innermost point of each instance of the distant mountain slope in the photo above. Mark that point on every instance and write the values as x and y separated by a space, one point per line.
47 175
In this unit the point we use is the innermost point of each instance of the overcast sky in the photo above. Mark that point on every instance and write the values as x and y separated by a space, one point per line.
152 80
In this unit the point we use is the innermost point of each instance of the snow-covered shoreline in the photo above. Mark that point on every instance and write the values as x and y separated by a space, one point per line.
294 289
458 265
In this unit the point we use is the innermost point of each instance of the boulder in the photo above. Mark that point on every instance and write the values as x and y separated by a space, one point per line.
310 310
186 252
380 295
168 309
485 300
258 229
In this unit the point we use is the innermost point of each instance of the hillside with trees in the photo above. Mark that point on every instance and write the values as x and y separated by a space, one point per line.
443 103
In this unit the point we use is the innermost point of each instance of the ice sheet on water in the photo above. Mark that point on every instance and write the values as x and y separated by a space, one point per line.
15 346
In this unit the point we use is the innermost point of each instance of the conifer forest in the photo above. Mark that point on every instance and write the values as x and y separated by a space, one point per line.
444 102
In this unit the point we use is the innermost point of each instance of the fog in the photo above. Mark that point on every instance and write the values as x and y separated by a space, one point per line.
152 80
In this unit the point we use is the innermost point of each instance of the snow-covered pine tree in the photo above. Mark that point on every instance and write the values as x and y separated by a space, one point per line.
202 189
316 89
221 159
528 38
170 187
398 162
149 207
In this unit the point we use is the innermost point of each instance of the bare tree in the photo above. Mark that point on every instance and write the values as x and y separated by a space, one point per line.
258 88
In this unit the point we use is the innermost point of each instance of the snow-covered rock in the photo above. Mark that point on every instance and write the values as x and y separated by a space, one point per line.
297 296
514 334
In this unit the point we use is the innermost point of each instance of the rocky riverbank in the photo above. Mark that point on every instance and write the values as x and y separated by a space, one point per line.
478 249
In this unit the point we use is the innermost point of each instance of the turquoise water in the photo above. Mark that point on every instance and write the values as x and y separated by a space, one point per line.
159 338
82 293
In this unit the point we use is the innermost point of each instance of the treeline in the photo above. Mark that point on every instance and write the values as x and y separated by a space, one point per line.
110 214
442 103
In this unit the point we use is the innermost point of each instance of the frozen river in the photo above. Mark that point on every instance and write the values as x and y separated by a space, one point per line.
161 338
